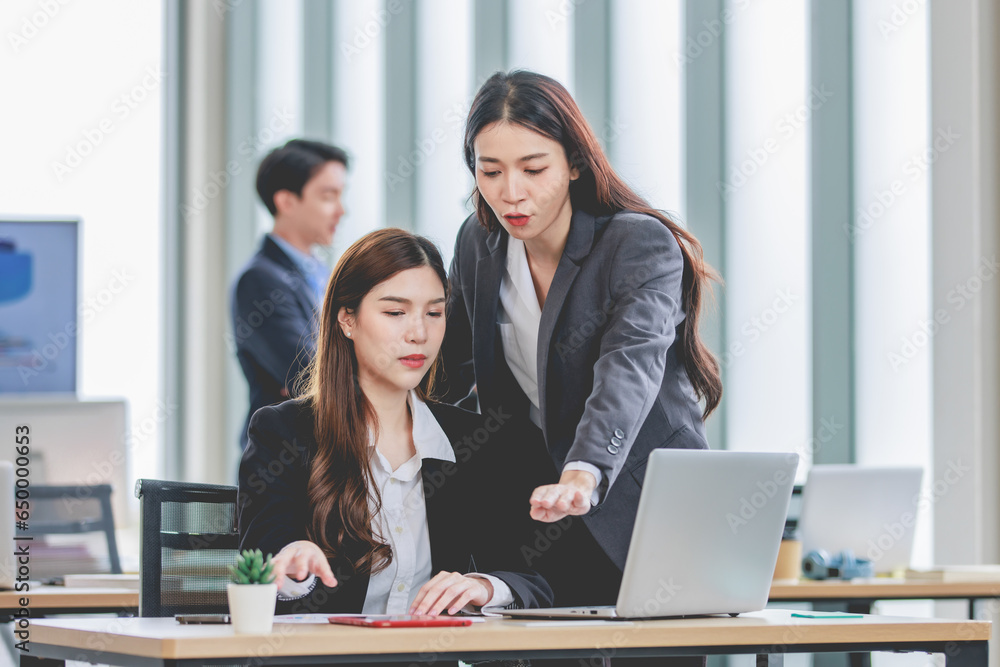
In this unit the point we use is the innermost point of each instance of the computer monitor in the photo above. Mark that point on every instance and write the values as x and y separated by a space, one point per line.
870 510
38 305
76 442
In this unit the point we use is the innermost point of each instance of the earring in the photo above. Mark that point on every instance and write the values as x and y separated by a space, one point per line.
347 333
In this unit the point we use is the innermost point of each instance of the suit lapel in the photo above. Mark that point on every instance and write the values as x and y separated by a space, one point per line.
578 245
439 525
489 270
298 284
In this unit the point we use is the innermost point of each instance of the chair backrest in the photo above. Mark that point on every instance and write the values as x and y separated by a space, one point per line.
189 538
794 512
71 509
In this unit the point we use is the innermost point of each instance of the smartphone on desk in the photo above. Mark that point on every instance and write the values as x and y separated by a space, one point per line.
402 621
202 619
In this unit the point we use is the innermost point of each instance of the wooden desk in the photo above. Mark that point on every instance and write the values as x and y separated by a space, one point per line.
769 634
860 594
47 600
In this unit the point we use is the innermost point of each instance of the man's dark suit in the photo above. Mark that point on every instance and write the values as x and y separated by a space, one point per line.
274 326
473 525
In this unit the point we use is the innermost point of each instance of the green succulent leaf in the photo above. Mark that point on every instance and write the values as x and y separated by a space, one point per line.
251 567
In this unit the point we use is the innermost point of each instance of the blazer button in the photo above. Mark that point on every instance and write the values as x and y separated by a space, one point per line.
616 442
612 449
619 433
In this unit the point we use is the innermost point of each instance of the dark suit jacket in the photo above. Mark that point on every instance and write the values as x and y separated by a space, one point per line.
274 326
611 384
472 525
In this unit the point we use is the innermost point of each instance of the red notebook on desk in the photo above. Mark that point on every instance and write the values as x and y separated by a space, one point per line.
402 621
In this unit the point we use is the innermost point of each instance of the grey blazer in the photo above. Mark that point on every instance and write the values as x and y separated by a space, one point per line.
611 385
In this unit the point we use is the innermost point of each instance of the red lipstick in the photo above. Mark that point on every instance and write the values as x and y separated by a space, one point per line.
413 360
516 219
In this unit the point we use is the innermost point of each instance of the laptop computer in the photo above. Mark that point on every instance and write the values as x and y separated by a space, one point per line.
706 537
870 510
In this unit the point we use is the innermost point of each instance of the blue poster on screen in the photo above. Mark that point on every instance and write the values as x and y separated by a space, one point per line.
38 306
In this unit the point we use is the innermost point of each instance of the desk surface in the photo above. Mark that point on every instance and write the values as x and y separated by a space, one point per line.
59 597
45 598
882 589
165 639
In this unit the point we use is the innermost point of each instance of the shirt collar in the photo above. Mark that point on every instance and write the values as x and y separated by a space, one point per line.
515 254
429 439
520 277
306 263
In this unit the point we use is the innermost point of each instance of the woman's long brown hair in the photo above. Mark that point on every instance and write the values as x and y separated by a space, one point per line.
340 478
543 105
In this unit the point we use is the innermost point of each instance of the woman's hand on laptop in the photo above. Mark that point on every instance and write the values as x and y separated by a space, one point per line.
300 559
571 496
451 591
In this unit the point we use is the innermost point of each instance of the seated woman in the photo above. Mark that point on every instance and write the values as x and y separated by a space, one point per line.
374 499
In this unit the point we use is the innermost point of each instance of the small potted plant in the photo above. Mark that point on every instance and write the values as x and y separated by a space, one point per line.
252 593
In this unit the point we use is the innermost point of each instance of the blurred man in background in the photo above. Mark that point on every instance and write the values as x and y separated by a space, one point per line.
278 294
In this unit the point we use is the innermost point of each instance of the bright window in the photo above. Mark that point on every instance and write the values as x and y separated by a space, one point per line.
82 138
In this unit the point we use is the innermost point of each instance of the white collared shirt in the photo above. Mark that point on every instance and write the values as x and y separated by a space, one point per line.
519 317
402 523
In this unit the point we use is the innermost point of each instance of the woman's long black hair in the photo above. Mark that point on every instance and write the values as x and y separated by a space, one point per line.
542 104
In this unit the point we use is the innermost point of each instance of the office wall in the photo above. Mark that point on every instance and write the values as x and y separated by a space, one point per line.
964 109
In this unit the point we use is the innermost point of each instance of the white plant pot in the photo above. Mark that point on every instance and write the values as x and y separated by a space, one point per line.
251 607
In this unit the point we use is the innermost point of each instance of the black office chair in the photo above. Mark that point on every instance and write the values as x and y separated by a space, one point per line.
67 510
189 538
791 531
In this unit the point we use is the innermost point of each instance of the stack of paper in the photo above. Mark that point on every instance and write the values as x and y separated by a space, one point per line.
956 573
130 581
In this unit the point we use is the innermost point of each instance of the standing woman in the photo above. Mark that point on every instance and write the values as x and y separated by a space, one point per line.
575 307
375 499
